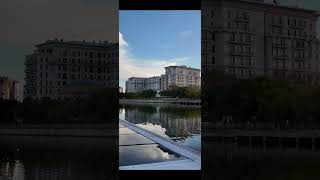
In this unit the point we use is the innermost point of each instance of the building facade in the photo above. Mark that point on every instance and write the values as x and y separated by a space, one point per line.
57 63
181 76
251 38
138 84
8 89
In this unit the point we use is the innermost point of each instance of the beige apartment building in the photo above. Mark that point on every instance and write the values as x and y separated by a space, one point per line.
251 38
56 64
8 88
181 76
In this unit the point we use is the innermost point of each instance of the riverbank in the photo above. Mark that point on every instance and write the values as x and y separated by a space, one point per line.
176 101
60 130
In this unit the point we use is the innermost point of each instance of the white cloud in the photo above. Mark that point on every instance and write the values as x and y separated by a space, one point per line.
185 34
130 66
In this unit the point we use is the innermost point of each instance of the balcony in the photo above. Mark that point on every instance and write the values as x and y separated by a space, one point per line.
278 45
241 42
247 54
281 57
241 19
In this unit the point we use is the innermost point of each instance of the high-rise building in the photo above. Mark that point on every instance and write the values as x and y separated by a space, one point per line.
8 89
181 76
254 38
57 63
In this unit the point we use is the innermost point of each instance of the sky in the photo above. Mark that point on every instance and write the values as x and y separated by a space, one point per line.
152 40
26 23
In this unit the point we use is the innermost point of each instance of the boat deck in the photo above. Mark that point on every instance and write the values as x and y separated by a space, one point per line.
140 149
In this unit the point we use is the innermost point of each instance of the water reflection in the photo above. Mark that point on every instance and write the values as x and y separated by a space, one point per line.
182 124
143 154
44 158
231 161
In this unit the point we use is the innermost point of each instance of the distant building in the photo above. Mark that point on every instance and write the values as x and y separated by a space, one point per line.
152 83
138 84
57 63
120 89
8 89
180 76
251 38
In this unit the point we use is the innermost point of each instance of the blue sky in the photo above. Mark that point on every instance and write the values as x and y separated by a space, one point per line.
151 40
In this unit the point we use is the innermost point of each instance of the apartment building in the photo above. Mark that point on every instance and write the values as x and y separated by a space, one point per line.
135 84
57 63
181 76
138 84
251 38
8 88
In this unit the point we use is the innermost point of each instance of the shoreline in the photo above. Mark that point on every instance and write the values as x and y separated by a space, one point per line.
55 132
171 101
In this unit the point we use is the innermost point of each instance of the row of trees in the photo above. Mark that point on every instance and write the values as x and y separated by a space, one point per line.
174 91
182 92
147 94
101 107
276 102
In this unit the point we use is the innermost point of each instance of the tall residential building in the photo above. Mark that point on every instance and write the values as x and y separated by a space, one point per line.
180 76
57 63
250 38
8 89
138 84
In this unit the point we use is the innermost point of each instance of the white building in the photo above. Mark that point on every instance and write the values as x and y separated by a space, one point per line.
138 84
120 89
153 83
250 38
57 63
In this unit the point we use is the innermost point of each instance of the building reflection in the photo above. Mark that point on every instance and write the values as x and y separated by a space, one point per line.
175 121
44 158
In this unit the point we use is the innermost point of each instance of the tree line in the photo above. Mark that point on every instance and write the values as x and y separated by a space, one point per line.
190 92
279 103
101 107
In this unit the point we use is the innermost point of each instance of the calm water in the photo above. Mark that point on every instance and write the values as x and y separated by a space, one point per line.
182 124
232 161
44 158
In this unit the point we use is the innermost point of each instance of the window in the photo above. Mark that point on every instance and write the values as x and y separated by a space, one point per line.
91 54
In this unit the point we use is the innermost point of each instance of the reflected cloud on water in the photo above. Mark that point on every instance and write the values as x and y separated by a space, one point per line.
180 123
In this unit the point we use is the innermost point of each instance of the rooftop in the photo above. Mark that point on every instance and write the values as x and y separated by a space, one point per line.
78 43
278 5
182 67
